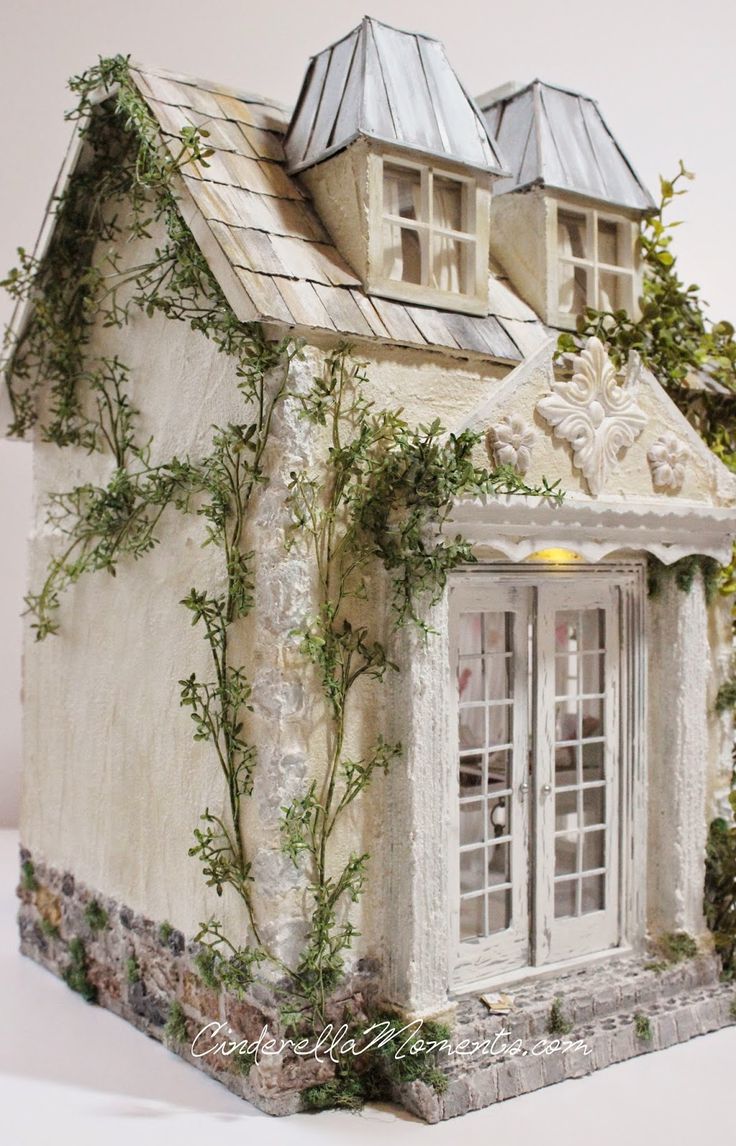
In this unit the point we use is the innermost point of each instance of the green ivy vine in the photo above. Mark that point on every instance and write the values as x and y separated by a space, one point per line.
379 501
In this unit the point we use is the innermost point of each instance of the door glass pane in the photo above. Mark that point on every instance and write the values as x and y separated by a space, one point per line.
485 674
472 917
499 911
580 760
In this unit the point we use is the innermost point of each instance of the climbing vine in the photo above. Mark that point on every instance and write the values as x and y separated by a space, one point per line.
381 501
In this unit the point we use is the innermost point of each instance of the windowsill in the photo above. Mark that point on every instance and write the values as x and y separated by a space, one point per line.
427 296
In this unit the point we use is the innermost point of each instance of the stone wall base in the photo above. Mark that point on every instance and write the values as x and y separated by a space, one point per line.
139 968
147 973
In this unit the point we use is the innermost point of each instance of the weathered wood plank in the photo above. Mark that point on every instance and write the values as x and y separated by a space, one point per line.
304 303
342 310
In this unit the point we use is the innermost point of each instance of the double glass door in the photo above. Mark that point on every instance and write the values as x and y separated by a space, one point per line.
536 839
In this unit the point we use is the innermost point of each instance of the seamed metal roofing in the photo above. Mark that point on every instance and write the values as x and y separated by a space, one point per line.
556 138
393 86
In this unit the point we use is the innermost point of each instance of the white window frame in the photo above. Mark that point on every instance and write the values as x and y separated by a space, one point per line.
626 271
476 204
473 966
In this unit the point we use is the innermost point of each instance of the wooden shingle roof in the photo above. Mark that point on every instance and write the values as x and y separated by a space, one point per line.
269 250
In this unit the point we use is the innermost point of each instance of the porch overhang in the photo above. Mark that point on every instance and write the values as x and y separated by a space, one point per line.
515 527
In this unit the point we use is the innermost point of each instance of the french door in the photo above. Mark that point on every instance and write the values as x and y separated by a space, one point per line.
536 839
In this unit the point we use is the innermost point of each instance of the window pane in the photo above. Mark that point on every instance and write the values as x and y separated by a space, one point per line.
471 869
472 727
499 771
471 822
447 204
471 774
593 758
608 245
402 254
472 921
499 861
470 633
594 850
566 898
566 854
613 291
573 288
499 724
470 680
448 263
571 235
498 634
499 911
594 805
594 894
402 192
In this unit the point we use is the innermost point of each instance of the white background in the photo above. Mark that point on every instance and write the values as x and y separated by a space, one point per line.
662 70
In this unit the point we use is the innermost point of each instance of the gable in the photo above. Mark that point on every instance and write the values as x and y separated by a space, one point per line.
602 433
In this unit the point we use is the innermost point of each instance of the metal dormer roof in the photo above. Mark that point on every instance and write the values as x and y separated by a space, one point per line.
392 86
556 138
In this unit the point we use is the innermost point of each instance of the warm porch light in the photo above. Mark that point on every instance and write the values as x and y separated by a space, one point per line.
554 556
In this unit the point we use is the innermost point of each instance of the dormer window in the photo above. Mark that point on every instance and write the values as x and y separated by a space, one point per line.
595 265
425 238
428 231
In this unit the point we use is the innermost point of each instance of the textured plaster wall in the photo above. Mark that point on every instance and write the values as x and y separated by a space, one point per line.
339 190
113 783
519 242
681 725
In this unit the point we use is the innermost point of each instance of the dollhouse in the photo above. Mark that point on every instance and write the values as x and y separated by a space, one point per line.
545 822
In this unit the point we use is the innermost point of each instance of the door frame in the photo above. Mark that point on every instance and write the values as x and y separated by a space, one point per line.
466 972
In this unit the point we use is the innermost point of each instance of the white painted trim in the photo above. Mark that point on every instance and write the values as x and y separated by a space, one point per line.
515 527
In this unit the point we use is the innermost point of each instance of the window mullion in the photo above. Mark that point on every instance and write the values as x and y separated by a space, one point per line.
426 237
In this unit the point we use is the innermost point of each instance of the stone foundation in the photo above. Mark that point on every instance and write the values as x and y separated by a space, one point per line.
146 972
138 968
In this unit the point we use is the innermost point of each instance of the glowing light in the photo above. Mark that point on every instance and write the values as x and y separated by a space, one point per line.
554 556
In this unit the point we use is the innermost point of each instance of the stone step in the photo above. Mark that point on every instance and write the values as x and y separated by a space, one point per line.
481 1080
587 994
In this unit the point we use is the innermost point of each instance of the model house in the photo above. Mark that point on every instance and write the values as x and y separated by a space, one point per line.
543 824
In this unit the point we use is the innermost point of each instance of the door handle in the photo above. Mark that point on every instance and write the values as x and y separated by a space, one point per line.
546 789
523 789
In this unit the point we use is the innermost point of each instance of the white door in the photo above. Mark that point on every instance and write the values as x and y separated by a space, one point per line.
535 844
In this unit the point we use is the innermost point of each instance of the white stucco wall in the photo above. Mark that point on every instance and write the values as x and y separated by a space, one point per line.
113 783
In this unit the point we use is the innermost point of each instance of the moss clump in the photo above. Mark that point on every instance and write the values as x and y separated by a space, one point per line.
28 879
75 975
379 1069
165 932
205 963
642 1027
346 1091
557 1024
176 1023
656 965
677 946
95 916
50 930
732 1009
132 970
